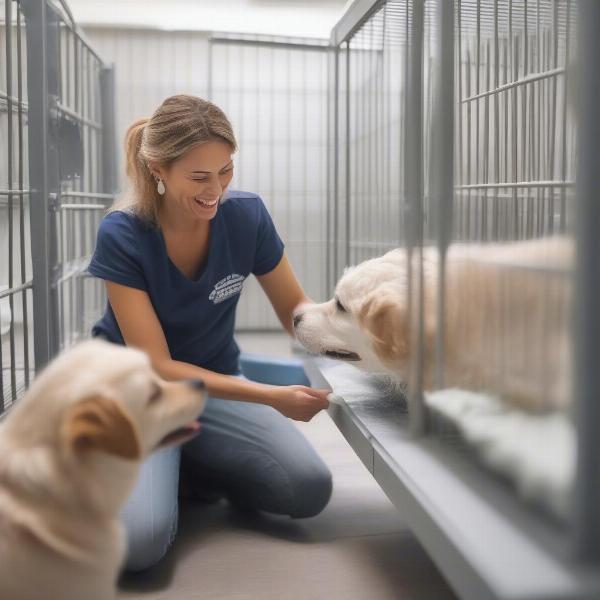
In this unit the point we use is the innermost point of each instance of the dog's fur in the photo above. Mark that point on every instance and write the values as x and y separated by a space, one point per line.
506 319
69 456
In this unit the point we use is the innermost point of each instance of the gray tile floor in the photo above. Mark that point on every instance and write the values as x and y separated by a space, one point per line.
358 548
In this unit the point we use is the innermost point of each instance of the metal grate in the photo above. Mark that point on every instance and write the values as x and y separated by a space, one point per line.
16 331
57 134
274 91
455 122
515 154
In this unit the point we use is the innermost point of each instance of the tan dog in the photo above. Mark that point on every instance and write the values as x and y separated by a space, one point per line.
506 319
69 457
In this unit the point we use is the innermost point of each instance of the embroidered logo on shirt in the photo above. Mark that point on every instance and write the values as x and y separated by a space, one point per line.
227 287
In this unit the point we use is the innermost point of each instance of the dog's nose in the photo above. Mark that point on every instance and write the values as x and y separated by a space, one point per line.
197 384
297 319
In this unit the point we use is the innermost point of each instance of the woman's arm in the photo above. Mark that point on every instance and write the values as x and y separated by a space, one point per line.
141 328
284 292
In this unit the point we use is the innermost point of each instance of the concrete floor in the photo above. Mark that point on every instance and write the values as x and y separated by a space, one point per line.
358 548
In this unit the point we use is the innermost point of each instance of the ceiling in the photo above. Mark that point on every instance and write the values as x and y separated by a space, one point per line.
304 18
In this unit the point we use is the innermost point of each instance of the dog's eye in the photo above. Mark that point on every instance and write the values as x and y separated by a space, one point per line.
156 394
339 305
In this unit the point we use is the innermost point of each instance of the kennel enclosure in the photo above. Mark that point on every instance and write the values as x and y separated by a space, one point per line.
471 122
57 176
419 123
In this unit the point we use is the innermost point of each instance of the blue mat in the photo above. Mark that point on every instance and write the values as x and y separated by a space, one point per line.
273 370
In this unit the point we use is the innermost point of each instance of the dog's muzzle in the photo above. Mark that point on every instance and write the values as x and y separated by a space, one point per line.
180 435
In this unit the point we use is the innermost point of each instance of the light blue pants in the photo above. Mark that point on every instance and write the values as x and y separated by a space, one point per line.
251 450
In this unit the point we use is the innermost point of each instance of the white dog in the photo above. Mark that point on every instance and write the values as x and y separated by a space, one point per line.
69 457
506 319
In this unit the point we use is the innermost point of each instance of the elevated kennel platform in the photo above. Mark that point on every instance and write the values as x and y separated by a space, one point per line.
477 532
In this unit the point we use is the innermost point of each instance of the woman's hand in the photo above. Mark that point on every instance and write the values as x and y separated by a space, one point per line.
299 402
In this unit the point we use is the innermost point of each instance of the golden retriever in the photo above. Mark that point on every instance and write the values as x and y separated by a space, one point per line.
506 319
69 457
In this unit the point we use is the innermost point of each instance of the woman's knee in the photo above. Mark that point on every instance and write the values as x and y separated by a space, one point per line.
272 484
148 542
299 491
312 492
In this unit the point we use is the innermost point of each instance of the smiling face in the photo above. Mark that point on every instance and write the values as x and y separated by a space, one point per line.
196 181
364 323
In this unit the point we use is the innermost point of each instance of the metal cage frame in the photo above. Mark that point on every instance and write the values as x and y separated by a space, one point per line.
453 190
67 155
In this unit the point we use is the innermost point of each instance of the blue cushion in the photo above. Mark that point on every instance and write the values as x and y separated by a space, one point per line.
272 369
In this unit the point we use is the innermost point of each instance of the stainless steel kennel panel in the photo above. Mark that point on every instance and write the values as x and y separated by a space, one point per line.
514 152
366 208
16 326
84 129
378 200
488 154
56 178
274 91
526 156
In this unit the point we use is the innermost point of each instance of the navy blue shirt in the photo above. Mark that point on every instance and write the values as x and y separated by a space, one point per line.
197 317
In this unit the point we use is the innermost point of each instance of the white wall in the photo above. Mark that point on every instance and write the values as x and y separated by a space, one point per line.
304 18
276 100
150 65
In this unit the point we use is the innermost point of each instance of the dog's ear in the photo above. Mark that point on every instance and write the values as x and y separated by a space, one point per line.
100 423
381 315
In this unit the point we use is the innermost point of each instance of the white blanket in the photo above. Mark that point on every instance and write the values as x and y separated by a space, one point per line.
537 452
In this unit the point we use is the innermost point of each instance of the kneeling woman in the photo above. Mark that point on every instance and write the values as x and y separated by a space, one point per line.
174 253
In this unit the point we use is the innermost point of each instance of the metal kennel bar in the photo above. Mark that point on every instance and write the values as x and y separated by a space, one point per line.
40 178
414 227
442 172
586 520
57 111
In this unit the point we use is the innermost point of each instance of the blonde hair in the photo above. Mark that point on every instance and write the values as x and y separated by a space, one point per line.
178 124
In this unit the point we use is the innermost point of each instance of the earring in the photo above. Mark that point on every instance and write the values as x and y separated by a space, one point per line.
160 188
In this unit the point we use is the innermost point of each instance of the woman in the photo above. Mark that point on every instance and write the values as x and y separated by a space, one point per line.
174 254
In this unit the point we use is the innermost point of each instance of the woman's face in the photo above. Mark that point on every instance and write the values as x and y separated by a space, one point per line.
196 181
